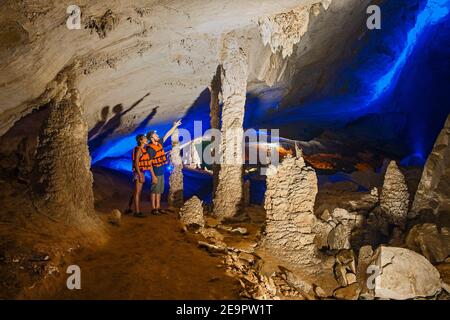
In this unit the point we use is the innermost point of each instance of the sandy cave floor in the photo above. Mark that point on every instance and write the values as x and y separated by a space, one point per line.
145 258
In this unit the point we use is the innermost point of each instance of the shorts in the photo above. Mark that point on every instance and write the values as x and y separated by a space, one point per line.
135 176
158 188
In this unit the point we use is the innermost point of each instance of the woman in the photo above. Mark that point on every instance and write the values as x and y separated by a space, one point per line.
141 163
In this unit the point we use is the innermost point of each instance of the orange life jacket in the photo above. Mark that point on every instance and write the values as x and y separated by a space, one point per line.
144 162
160 157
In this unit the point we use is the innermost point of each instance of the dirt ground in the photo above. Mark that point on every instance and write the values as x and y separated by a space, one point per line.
143 258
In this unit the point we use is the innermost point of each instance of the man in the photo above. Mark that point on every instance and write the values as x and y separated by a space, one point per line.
158 160
141 163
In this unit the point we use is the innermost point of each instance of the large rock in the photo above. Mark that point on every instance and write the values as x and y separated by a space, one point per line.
191 213
394 198
404 274
429 241
433 192
289 204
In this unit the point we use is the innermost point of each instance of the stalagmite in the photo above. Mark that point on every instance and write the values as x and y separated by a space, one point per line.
62 180
228 195
176 177
289 204
394 198
191 213
433 192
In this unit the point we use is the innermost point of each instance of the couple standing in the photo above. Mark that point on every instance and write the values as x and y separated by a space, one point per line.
149 155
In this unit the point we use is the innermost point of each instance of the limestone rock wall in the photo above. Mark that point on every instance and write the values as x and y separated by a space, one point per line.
120 44
282 31
433 192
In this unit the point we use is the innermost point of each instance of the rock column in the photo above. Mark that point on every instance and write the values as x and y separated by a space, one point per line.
62 180
234 75
176 177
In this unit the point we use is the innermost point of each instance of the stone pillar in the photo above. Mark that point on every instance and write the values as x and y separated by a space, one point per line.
215 121
176 177
234 75
62 180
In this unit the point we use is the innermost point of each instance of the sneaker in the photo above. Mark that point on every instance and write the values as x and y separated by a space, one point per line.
139 215
156 212
162 211
128 212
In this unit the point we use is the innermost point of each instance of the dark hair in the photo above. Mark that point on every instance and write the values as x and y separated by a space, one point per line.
150 134
139 138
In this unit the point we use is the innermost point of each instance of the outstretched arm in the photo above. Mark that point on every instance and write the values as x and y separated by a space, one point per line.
176 124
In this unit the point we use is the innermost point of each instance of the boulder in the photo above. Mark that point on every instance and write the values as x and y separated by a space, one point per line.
427 240
394 198
404 274
191 213
115 217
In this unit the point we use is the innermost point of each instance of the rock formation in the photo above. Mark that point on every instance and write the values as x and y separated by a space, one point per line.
282 31
214 114
427 240
433 192
289 204
62 180
176 176
394 198
404 274
228 197
191 213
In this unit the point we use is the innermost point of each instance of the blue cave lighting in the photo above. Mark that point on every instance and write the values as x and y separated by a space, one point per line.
433 12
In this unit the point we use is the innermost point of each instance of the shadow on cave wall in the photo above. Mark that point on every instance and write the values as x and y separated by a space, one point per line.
104 129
